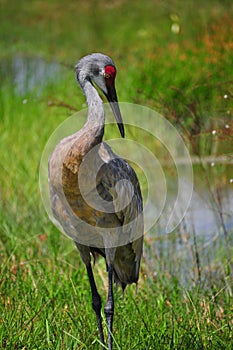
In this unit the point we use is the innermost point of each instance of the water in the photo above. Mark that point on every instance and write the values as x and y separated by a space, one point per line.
197 250
27 74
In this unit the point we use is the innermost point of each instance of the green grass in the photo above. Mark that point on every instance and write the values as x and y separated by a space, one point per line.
44 291
46 303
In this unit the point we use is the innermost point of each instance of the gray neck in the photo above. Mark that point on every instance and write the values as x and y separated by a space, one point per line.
96 118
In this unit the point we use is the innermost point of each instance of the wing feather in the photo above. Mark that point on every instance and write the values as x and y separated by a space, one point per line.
118 182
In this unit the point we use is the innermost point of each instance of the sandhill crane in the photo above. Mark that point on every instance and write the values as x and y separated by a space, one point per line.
118 233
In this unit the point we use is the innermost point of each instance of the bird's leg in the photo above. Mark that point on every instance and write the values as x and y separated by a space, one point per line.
109 307
96 301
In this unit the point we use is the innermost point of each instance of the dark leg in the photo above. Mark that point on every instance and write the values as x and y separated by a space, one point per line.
96 301
109 307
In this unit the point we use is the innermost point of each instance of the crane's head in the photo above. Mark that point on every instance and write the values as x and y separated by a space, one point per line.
100 69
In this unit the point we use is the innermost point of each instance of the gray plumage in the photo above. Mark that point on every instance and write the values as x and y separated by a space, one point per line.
83 163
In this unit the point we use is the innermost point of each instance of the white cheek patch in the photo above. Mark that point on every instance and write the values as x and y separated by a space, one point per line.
102 72
100 81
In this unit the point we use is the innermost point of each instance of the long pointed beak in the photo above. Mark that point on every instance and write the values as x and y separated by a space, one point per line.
112 99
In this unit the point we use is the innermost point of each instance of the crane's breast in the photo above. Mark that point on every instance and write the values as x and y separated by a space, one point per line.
97 193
